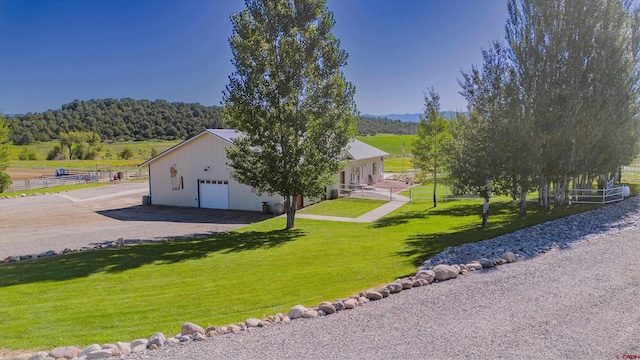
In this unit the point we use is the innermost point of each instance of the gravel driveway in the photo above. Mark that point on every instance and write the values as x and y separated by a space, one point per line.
578 303
78 218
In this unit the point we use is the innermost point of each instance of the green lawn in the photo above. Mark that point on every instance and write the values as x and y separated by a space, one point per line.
390 143
127 293
398 164
343 207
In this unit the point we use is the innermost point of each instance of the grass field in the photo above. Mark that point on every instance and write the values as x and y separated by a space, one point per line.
141 150
126 293
392 144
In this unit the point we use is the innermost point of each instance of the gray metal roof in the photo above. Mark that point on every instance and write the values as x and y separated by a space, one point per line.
357 150
225 134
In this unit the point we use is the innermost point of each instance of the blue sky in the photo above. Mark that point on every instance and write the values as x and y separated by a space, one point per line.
55 51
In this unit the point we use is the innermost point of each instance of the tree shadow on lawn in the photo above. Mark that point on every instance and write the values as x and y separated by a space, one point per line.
455 210
114 260
399 219
423 246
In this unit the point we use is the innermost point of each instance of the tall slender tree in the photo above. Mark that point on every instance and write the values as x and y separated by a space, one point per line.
432 135
288 98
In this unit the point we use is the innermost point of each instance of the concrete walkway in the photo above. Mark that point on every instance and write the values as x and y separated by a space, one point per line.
373 215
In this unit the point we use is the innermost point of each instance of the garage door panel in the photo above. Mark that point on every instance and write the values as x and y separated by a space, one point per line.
214 194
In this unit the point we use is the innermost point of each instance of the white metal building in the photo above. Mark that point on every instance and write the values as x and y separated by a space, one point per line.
194 173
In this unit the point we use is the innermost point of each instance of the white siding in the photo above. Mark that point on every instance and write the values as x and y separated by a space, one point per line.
243 197
203 152
366 167
207 151
190 161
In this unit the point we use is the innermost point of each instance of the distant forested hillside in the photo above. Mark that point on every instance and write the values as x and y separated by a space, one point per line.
129 119
368 125
117 120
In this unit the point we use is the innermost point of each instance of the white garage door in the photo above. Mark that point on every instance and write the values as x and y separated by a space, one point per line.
214 194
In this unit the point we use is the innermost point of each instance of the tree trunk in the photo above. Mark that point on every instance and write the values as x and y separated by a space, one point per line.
567 190
523 203
561 190
290 204
435 184
543 195
485 205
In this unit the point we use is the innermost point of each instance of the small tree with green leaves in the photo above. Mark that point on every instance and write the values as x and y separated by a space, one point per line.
428 149
27 153
126 153
78 143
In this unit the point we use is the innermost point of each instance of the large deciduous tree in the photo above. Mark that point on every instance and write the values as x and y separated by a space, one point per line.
432 135
5 144
288 98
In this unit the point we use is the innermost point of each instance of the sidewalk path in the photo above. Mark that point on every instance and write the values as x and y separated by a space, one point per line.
371 216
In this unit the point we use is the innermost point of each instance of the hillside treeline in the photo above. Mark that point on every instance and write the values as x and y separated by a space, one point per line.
370 126
117 120
129 119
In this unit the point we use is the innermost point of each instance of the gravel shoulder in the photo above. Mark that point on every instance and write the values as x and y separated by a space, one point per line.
580 302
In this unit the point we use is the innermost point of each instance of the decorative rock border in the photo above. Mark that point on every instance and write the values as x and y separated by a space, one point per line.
106 245
22 195
190 332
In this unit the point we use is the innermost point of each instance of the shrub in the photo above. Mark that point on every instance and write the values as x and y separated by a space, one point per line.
27 154
56 153
126 154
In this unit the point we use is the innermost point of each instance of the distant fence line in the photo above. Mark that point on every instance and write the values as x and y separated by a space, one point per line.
78 177
576 196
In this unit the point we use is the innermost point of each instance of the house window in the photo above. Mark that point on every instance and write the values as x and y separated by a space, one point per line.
375 168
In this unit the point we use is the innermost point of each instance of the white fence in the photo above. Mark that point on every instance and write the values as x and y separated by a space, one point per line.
576 196
597 196
47 182
363 191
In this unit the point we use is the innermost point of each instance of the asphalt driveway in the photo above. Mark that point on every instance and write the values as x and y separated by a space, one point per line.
80 218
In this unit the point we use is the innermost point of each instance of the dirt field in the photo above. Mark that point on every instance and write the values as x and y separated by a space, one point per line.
26 174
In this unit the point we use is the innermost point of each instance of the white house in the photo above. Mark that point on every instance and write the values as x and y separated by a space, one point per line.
195 173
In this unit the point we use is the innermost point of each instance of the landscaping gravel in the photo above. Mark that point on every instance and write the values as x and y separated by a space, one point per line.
552 235
575 295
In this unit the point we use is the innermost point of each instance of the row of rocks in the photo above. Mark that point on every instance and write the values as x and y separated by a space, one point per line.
91 352
21 196
192 332
105 245
553 235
